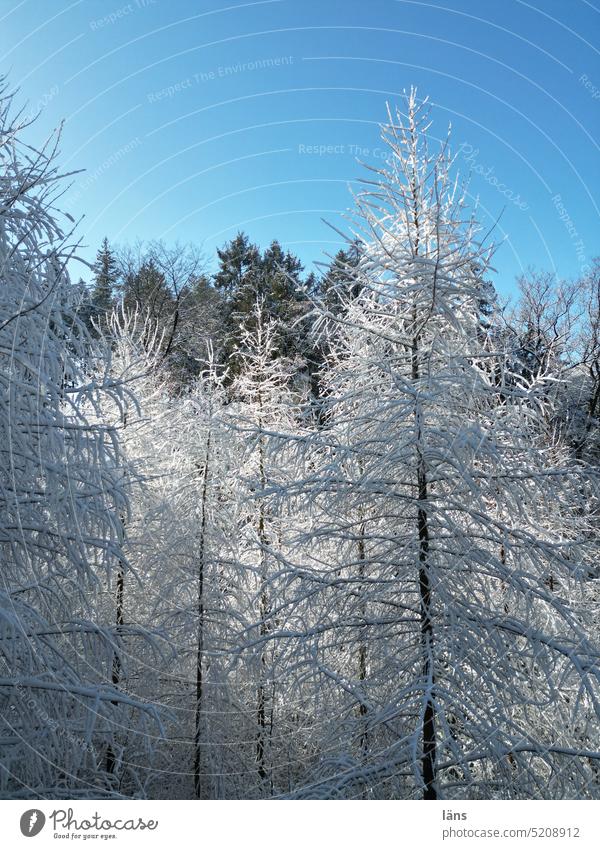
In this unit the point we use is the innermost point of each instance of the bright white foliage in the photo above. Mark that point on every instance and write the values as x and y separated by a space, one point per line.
459 529
61 495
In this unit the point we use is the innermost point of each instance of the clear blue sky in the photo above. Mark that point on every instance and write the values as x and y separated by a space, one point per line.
196 119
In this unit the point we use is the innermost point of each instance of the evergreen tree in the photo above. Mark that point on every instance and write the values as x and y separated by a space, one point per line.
273 277
106 276
338 285
239 261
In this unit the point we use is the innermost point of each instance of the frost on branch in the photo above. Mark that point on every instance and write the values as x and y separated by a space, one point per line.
61 498
450 635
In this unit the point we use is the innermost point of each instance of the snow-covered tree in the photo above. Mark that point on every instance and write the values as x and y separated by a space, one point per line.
180 542
463 670
265 418
61 495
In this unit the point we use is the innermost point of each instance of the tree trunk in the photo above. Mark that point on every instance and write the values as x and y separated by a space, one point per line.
362 657
264 608
119 620
200 641
116 663
428 730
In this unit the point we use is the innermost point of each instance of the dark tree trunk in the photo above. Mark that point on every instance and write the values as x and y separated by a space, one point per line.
428 730
200 641
264 609
116 663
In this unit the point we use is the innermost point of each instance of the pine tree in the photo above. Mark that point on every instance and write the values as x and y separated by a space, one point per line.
274 277
106 276
338 285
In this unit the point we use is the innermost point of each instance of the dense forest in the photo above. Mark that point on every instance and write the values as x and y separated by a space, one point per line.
268 533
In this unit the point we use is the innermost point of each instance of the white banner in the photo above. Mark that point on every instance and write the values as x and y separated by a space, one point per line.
296 825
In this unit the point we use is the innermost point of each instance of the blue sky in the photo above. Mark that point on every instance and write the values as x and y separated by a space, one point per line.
196 119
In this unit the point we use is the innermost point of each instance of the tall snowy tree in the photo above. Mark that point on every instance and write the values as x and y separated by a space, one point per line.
265 417
451 512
